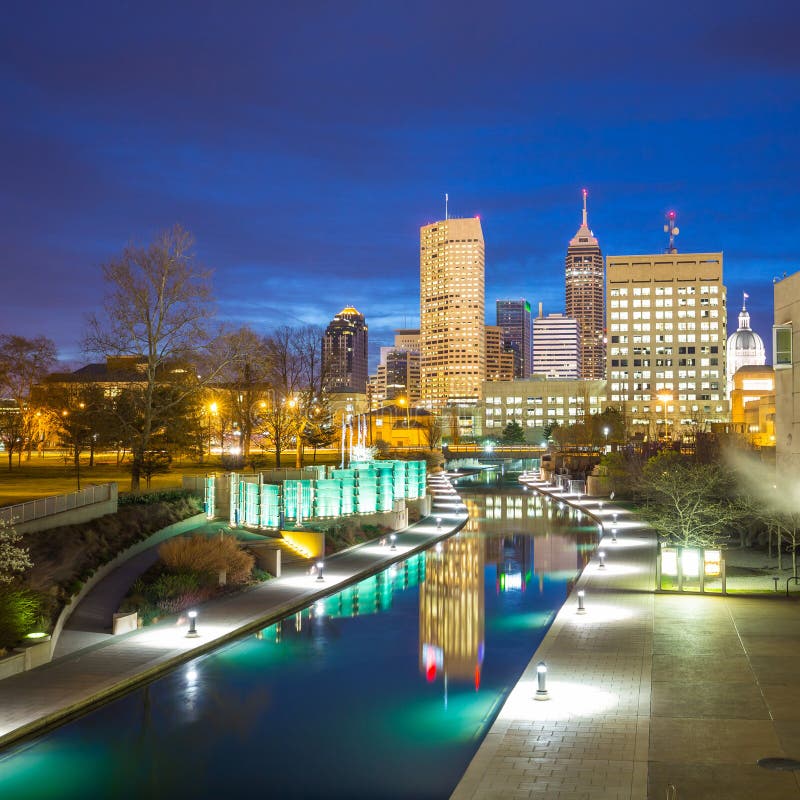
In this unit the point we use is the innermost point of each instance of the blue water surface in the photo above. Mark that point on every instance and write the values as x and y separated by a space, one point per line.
384 690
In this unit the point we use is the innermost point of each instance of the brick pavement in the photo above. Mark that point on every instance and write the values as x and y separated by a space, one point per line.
648 691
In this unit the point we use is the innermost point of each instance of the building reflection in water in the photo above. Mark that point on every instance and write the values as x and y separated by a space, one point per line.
451 609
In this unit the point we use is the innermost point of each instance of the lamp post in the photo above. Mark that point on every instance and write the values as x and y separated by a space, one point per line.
606 431
403 401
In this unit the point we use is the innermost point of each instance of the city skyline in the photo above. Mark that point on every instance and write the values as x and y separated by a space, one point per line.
293 169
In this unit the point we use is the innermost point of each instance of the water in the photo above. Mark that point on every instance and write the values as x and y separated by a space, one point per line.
383 690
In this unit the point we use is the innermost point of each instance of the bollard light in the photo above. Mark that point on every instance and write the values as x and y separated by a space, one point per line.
192 632
393 539
600 508
614 516
320 567
438 523
602 556
439 548
581 608
541 678
613 534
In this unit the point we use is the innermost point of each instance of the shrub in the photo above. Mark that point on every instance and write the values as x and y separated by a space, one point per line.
166 496
208 554
19 614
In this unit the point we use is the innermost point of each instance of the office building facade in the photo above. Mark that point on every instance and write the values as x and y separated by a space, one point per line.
556 346
514 317
666 323
452 311
345 349
584 297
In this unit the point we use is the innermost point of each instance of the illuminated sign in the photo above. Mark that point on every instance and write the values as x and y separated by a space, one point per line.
669 561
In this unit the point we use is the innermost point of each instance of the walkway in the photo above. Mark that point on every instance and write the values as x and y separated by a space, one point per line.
34 699
648 691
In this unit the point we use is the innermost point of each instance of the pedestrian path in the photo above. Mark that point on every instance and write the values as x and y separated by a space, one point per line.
649 693
34 699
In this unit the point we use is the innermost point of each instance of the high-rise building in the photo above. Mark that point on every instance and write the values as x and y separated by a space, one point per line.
345 352
556 346
786 359
452 337
500 360
666 349
745 348
514 317
397 374
584 296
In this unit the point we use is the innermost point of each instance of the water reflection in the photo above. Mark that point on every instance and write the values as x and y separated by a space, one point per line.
406 667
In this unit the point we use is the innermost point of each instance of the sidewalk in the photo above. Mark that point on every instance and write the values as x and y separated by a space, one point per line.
648 691
32 700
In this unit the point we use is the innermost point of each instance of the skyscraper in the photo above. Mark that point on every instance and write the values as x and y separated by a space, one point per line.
345 352
452 343
666 327
584 294
556 346
514 317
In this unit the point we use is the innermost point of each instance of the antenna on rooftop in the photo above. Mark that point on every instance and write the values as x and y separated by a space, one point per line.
672 230
446 200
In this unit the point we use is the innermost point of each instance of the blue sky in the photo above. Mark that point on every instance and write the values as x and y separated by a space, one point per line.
304 145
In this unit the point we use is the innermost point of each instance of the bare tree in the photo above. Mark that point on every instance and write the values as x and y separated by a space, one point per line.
241 384
23 363
156 308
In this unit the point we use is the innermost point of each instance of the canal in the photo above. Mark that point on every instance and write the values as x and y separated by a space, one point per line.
383 690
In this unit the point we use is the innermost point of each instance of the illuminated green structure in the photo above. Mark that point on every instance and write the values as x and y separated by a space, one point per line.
365 487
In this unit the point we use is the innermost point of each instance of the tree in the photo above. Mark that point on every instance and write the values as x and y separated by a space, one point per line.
23 364
513 433
242 385
431 426
156 308
14 558
691 504
319 430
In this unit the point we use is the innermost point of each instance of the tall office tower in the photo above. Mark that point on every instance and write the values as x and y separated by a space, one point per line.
666 327
500 360
345 352
452 345
556 346
584 294
514 317
745 348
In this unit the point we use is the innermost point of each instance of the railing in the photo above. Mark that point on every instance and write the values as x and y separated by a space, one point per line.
47 506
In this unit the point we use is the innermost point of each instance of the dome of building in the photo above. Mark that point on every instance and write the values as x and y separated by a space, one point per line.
745 347
349 311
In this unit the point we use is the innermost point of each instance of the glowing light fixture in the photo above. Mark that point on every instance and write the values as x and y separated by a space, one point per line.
581 608
192 632
320 567
602 556
541 678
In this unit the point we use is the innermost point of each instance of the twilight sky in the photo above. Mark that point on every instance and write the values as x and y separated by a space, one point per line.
305 143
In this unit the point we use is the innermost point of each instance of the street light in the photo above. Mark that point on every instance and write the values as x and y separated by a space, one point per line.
606 431
403 401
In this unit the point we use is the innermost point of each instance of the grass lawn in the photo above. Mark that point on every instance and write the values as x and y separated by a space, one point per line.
50 475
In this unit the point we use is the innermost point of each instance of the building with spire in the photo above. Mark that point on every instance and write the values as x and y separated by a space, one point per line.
745 347
584 278
345 349
452 312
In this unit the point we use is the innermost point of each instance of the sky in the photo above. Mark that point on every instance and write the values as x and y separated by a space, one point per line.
304 144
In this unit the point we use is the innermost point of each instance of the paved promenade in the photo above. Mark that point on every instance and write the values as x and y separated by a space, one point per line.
32 700
649 692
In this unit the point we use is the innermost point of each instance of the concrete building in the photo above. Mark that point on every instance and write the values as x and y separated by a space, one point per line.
397 374
745 347
666 321
452 311
535 402
514 317
753 404
786 355
500 360
345 352
556 346
584 297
